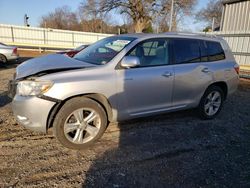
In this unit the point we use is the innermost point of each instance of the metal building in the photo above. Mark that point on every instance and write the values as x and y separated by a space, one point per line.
235 29
236 15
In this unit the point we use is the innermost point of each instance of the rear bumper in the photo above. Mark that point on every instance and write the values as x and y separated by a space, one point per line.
233 85
32 112
12 57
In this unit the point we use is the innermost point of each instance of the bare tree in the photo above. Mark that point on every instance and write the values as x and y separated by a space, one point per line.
212 10
61 18
91 19
182 8
140 11
142 15
89 9
144 12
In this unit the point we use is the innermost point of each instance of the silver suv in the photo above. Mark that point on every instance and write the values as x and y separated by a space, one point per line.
120 78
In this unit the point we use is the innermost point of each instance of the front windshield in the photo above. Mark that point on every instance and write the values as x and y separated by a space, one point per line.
104 50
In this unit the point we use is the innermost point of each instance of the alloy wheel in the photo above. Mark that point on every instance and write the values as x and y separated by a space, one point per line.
82 125
213 103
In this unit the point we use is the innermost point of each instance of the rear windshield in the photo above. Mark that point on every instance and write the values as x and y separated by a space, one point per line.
104 50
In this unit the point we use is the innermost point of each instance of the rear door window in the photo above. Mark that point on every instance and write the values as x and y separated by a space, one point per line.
186 50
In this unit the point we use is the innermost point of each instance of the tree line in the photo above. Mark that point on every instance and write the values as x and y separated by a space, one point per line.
137 15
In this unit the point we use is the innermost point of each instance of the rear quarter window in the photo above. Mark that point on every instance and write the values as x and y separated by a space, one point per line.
215 51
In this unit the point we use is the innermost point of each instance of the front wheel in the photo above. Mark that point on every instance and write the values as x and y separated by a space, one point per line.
211 102
79 123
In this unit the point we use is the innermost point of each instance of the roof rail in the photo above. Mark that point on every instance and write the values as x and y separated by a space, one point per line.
202 34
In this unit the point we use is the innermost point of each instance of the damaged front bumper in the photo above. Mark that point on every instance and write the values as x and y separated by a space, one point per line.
32 112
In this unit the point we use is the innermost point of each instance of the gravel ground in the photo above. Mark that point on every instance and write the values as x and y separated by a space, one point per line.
172 150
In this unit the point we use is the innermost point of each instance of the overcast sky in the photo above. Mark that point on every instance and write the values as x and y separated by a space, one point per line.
12 12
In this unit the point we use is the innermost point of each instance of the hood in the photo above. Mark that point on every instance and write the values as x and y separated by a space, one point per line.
49 63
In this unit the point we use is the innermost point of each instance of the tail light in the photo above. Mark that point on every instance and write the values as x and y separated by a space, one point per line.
71 53
237 69
14 51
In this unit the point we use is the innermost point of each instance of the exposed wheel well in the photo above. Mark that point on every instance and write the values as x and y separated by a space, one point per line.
102 100
223 86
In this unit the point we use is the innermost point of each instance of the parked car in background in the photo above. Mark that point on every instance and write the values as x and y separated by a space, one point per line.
73 52
7 53
120 78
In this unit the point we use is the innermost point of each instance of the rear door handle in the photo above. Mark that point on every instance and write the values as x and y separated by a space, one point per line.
205 70
167 74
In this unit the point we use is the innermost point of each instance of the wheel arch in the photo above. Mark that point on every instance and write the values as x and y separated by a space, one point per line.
222 85
4 57
99 98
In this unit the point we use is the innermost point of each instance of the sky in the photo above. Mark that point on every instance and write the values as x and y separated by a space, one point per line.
12 12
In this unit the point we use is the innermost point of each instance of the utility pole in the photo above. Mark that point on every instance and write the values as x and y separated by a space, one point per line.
171 16
213 23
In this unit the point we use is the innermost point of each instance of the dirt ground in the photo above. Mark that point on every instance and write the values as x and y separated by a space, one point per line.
32 53
172 150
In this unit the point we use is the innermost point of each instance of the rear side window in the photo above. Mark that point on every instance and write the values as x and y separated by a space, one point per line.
215 51
186 50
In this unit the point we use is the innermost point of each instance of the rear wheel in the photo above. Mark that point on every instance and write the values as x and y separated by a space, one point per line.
211 102
79 123
3 59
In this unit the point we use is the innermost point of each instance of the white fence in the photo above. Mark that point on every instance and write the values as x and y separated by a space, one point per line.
239 43
46 37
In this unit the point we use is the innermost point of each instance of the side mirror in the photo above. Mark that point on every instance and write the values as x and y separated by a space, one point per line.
130 61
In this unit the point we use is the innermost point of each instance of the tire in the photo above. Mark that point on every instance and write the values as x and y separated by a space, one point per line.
74 135
3 59
211 102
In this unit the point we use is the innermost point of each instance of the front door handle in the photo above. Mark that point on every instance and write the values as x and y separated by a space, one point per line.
205 70
167 74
